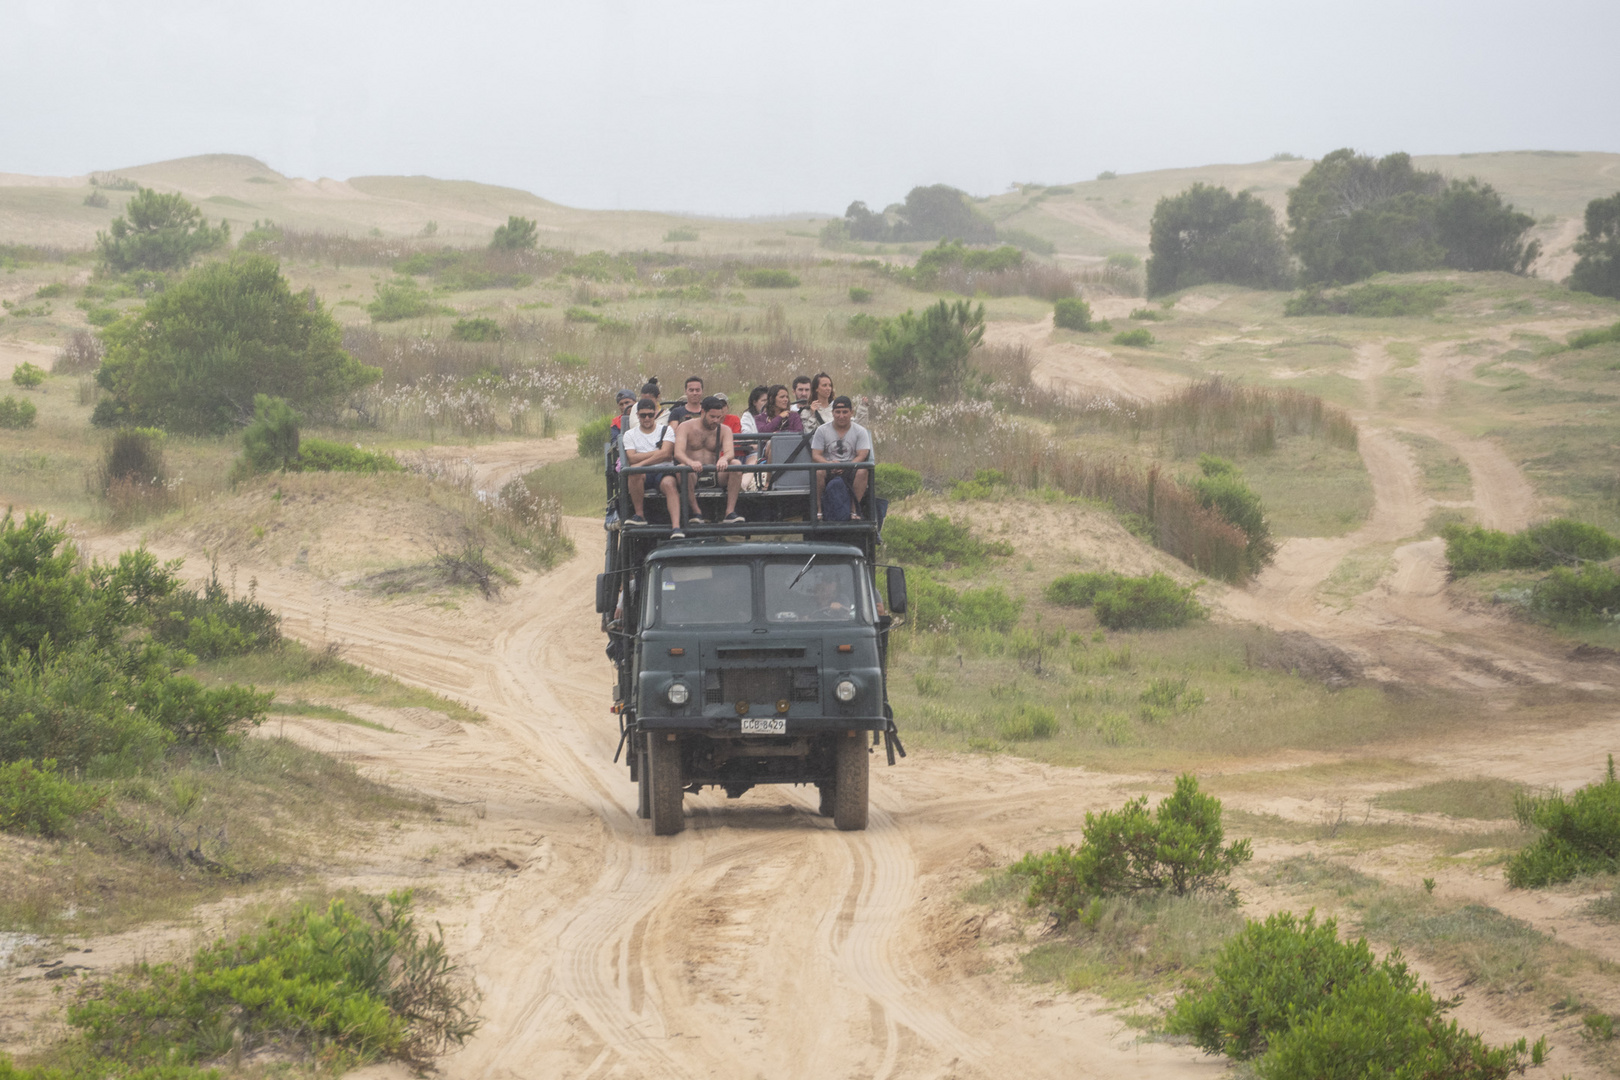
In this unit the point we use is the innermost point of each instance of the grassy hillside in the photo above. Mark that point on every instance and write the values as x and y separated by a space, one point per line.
1084 219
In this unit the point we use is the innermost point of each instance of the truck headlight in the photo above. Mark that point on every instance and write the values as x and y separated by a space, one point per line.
678 693
845 690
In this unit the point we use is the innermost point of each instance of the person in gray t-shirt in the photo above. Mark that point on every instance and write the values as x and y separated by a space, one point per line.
842 442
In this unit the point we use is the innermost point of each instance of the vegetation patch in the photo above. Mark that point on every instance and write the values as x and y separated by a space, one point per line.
1178 849
1559 542
1579 833
937 542
334 988
16 414
1139 338
1377 301
1481 798
1585 339
1288 994
768 279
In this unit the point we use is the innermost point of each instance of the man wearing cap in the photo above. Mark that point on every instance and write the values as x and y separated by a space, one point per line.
731 419
705 444
623 400
651 443
842 442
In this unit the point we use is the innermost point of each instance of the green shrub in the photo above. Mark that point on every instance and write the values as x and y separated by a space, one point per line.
582 314
271 441
51 291
858 295
768 279
480 329
1580 834
402 299
896 482
1071 313
352 986
1080 590
931 604
38 799
158 232
1566 595
936 541
1597 270
1139 338
1154 602
1268 975
1587 338
1376 301
1375 1026
573 361
862 325
1559 542
1177 849
1353 216
1147 314
16 414
1124 260
134 454
105 689
1222 489
319 455
27 375
518 234
1288 992
194 358
927 355
1208 234
593 436
100 315
681 236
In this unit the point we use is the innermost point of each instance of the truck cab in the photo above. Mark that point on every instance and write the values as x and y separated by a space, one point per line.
752 653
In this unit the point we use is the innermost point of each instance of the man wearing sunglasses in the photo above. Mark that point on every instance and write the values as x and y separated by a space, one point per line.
650 444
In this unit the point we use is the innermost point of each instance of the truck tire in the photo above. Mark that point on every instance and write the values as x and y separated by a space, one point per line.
826 788
849 790
643 782
663 765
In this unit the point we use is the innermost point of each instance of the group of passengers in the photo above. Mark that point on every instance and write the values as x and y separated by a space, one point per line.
698 433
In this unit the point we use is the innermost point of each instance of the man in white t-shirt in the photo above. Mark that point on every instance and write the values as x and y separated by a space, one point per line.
648 443
842 442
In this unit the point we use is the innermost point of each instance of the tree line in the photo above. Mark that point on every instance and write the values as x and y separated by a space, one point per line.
1352 216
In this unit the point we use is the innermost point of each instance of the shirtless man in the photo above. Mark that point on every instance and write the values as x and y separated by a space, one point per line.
704 442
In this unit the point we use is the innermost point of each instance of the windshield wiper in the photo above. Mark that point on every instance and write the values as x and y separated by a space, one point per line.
802 571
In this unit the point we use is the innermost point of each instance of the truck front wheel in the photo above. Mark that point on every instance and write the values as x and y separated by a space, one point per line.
663 766
643 781
849 789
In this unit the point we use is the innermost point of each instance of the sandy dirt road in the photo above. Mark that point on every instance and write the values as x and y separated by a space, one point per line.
761 942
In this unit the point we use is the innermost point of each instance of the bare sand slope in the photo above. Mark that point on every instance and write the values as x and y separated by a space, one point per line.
1080 369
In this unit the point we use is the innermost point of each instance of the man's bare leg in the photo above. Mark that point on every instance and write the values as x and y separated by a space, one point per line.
637 483
733 487
672 499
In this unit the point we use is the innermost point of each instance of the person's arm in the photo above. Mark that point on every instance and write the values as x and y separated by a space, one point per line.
816 451
728 448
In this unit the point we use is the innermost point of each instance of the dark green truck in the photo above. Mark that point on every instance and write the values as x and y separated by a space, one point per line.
752 653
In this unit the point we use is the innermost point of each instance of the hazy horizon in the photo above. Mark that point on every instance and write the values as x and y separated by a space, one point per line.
725 109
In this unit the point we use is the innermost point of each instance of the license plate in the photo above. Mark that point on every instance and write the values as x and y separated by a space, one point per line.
764 725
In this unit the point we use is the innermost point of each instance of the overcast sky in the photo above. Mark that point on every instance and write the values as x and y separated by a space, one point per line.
756 108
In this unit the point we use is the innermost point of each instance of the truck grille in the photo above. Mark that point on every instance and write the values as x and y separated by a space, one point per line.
762 685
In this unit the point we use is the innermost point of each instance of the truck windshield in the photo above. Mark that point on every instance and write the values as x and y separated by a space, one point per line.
708 595
826 593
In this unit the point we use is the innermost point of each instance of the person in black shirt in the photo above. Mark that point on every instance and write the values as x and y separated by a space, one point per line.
693 405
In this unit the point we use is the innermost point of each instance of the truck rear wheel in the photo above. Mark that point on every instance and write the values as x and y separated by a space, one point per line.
849 790
663 767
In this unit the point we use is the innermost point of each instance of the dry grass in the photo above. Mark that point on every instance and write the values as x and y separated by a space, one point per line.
191 830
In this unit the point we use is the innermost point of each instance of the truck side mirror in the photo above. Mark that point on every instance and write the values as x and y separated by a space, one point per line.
604 594
897 591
